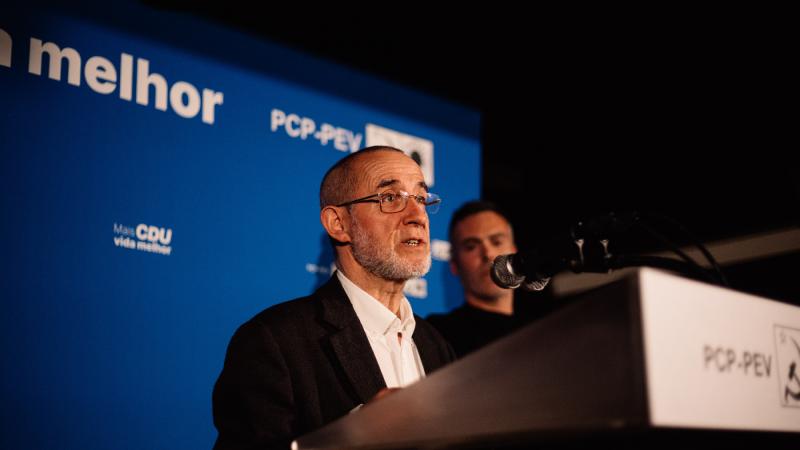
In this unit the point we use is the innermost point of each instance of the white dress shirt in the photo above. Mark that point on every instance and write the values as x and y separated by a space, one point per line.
388 335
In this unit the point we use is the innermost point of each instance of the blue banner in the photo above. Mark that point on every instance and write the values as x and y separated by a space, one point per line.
158 191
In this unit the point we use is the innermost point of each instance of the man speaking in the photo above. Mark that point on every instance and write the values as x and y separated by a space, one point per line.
301 364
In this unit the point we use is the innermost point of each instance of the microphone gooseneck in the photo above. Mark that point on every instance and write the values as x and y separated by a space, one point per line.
586 249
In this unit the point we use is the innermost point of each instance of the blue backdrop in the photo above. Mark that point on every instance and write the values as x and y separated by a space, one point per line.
158 190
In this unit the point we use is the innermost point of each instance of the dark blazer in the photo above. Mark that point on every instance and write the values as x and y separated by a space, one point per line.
299 365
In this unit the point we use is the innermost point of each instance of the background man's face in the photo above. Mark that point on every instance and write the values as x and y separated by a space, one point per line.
393 246
477 240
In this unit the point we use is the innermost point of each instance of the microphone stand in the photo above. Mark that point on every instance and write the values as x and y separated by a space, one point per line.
596 231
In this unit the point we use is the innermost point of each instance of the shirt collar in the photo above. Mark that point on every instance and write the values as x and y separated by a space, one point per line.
373 315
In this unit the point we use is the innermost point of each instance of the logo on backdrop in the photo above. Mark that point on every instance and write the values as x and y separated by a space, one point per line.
297 126
144 238
440 250
421 150
787 343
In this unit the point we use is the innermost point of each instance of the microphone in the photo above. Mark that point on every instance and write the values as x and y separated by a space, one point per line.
506 273
533 269
586 249
530 271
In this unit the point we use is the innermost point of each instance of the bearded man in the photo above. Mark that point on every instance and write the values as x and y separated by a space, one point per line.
301 364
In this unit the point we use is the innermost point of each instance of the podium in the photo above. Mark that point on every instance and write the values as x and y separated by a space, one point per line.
651 360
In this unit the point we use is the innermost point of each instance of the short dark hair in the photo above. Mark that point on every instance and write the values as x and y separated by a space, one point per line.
471 208
340 180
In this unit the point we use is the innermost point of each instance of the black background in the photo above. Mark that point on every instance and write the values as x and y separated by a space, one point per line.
690 116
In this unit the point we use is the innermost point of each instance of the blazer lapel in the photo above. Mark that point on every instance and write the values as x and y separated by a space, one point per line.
349 342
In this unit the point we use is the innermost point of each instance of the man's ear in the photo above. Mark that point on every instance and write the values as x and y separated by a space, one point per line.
333 220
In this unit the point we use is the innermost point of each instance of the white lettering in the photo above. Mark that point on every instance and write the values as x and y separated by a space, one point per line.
153 248
307 126
326 133
355 141
121 229
165 237
297 126
176 94
125 242
100 75
340 142
141 232
290 119
5 48
125 76
152 233
144 79
210 100
37 51
416 287
278 119
440 250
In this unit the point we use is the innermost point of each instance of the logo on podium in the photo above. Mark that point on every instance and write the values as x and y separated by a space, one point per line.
787 343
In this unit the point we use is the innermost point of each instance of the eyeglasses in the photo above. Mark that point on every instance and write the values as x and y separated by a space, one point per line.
394 202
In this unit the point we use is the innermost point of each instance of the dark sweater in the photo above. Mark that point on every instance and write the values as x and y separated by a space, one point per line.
468 328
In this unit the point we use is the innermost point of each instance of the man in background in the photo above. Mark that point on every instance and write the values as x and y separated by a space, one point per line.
479 233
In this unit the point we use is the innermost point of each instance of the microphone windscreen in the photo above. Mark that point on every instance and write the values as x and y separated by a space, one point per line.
535 285
503 275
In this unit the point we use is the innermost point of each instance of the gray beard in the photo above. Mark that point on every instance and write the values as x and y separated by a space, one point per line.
384 262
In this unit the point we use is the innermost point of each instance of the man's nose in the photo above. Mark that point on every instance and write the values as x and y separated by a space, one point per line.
415 213
489 252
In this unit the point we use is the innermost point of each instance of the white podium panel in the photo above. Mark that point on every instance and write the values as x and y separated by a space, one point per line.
717 358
